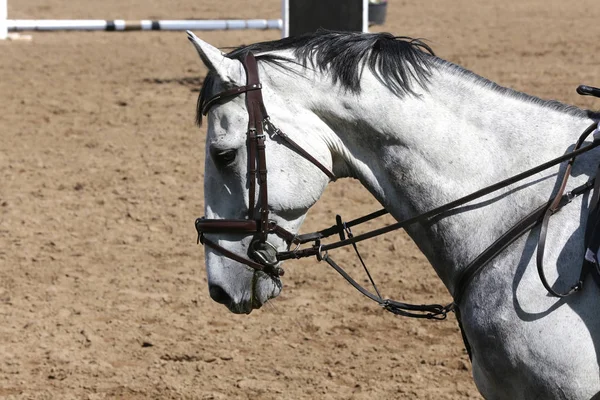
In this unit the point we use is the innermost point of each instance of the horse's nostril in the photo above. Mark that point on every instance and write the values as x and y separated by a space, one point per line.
218 294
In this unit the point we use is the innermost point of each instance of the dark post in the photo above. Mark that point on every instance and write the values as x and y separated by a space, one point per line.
307 16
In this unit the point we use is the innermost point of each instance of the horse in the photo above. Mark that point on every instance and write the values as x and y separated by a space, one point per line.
418 132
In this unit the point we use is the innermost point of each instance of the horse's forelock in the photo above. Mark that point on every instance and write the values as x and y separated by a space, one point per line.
206 93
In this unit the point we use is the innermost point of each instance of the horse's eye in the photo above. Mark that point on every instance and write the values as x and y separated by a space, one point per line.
224 157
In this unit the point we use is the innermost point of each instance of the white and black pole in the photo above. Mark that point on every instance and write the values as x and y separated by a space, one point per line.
16 25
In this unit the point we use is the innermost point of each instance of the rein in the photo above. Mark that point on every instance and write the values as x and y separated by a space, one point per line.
540 215
264 257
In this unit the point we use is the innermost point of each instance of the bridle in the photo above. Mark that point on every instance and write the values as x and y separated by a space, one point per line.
261 250
264 257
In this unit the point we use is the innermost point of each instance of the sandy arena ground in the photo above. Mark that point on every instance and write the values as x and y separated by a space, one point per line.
102 287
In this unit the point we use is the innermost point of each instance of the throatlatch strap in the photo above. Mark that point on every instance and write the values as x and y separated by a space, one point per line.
298 149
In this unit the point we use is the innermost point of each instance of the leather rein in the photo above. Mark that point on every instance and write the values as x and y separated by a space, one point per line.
262 256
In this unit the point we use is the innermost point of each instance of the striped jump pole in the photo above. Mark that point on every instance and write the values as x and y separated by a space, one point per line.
297 17
18 25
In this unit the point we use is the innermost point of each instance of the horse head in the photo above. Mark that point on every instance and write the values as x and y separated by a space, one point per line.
257 186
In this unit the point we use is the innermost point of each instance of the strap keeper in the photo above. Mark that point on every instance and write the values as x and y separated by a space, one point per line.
340 226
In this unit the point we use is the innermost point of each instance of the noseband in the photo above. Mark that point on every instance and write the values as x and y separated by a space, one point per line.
260 249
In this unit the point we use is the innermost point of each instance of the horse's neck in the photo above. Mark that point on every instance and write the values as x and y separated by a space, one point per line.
415 153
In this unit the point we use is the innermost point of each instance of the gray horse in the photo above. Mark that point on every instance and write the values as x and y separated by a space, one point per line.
417 132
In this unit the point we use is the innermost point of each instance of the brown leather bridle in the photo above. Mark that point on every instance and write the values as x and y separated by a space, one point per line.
258 120
266 258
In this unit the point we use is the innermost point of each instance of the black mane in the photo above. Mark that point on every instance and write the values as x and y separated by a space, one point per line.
395 61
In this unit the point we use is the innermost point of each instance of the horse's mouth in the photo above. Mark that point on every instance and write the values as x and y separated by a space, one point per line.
264 288
245 307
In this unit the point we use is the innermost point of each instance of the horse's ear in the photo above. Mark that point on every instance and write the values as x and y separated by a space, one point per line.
215 60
